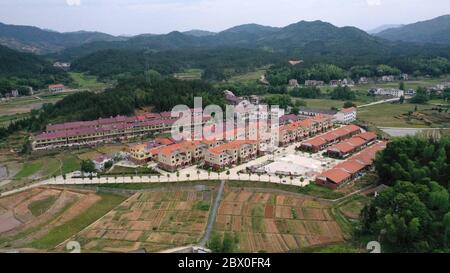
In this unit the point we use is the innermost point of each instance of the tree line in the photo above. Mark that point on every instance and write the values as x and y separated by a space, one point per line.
413 214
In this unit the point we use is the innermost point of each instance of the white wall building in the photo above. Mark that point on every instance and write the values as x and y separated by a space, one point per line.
347 115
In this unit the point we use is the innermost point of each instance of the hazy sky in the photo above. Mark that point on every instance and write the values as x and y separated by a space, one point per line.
162 16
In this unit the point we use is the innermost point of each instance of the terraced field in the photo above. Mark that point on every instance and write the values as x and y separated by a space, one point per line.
45 217
272 222
153 221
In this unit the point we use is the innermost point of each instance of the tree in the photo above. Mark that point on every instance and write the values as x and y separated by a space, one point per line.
446 95
108 165
228 245
402 99
215 243
411 214
349 104
26 148
402 86
421 96
343 93
87 166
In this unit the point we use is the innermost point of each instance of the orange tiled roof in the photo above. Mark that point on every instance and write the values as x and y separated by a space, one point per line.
232 145
348 110
336 175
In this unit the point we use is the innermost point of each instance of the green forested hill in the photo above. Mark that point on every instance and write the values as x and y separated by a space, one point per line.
40 41
24 69
435 31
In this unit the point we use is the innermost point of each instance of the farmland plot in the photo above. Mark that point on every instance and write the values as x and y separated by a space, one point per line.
274 222
153 221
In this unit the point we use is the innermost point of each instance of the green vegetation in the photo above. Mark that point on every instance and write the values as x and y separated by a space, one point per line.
227 244
202 205
306 92
119 170
21 70
29 169
129 94
83 81
39 207
65 231
413 215
258 219
189 74
87 166
391 115
335 248
70 164
342 93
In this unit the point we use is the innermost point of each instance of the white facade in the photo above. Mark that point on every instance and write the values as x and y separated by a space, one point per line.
346 116
397 93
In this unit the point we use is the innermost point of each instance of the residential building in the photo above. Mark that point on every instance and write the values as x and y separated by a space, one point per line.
100 162
387 78
392 92
300 130
56 88
233 152
410 92
320 142
363 80
15 93
351 168
293 83
312 112
346 148
104 130
313 83
61 65
346 115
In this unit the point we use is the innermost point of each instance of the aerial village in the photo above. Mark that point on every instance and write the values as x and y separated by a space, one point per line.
311 147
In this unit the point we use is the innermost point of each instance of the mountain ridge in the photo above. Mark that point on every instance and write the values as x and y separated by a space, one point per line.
435 31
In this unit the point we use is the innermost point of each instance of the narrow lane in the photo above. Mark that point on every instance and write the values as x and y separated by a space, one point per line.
213 215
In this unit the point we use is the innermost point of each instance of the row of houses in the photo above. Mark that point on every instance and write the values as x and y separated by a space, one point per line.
348 147
323 141
351 168
343 116
225 147
106 130
217 154
302 129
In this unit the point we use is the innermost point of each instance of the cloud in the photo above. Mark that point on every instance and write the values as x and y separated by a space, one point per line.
73 2
372 3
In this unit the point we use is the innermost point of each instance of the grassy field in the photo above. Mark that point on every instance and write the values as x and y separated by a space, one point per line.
39 207
249 77
313 190
189 74
390 115
87 82
29 169
67 230
47 166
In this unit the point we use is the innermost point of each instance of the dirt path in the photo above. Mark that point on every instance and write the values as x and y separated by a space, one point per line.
213 215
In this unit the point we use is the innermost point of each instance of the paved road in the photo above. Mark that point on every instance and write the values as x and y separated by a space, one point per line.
401 132
379 102
213 215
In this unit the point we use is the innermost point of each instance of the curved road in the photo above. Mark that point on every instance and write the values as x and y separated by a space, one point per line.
212 215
